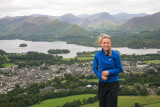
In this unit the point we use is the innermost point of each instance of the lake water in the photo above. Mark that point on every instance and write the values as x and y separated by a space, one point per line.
12 46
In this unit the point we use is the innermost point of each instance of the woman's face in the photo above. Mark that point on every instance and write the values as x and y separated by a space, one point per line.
106 44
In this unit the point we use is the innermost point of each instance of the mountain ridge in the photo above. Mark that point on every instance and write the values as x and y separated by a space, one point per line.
39 28
145 23
47 28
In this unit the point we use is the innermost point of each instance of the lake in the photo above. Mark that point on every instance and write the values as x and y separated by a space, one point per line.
12 46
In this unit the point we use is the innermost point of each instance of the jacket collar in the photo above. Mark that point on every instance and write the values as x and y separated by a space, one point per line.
104 53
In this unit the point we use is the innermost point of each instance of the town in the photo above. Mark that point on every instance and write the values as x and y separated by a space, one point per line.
26 76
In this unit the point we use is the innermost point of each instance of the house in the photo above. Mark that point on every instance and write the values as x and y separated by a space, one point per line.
49 88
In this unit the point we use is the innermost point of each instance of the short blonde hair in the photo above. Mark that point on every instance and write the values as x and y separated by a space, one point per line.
99 41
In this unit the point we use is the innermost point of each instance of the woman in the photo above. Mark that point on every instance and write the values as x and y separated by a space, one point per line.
107 65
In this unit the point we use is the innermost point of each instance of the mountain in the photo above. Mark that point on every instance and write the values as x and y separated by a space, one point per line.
82 15
101 18
39 28
89 20
53 28
139 24
124 17
50 17
70 18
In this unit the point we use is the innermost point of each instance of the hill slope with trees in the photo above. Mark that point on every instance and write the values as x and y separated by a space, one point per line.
139 24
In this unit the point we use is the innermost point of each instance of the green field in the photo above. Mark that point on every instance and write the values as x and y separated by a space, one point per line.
129 101
84 58
91 80
152 61
60 101
8 64
80 58
153 105
124 101
92 55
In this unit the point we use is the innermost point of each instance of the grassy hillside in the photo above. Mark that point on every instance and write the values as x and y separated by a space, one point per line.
60 101
124 101
146 39
149 39
153 61
139 24
39 28
129 101
100 18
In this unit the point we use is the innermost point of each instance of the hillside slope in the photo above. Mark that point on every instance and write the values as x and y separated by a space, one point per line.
139 24
38 28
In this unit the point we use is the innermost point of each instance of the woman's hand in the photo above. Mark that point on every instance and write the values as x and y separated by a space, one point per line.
105 73
104 78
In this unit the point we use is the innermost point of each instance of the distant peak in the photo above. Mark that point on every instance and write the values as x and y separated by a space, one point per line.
69 14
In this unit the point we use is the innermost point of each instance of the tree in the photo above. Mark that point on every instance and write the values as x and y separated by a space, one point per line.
2 52
158 92
137 105
143 91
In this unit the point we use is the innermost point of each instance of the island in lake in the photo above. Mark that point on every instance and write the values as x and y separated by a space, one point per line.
23 45
58 51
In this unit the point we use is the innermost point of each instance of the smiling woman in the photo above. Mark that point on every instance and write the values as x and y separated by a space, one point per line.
107 65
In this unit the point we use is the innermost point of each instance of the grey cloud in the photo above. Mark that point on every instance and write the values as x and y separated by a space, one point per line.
59 7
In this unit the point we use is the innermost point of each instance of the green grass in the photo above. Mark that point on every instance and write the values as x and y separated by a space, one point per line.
91 80
124 101
129 101
80 58
67 58
92 55
152 61
60 101
84 58
8 64
96 104
6 56
153 105
122 79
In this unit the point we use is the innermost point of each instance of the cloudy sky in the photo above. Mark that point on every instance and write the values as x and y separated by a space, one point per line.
77 7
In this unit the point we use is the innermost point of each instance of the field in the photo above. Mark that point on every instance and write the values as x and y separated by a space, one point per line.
60 101
91 80
124 101
129 101
8 64
85 58
80 58
152 61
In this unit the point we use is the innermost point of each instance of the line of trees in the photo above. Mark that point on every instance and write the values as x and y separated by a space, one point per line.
78 103
2 58
140 57
33 59
2 52
58 51
31 99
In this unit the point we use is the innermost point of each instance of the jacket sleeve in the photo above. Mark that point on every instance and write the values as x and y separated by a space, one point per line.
118 65
95 67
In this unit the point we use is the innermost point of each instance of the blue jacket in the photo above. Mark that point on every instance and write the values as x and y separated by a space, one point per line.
104 62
